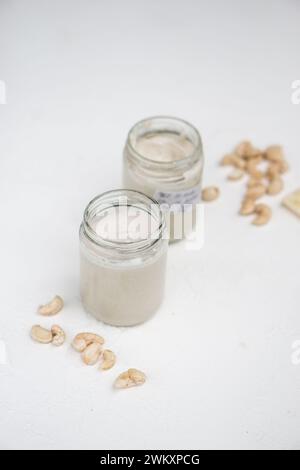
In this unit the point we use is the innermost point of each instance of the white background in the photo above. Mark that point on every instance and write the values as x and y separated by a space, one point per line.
78 74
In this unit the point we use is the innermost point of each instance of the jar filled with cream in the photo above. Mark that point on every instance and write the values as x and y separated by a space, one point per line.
163 158
123 253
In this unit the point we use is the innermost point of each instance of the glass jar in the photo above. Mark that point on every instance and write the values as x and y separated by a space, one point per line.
163 158
123 252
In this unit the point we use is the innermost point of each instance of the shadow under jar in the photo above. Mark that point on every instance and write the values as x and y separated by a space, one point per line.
123 253
163 158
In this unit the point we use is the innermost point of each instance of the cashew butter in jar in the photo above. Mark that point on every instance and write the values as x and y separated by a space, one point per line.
123 253
163 157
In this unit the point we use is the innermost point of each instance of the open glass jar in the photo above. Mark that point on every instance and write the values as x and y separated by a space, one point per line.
163 158
123 252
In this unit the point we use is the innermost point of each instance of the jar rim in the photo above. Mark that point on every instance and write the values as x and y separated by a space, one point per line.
117 198
185 161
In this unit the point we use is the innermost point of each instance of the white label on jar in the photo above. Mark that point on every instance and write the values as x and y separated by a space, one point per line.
179 200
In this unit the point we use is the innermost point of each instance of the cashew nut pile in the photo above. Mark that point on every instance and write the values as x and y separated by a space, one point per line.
88 344
90 347
264 170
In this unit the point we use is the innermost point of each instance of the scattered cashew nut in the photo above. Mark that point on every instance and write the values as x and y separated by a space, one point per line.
263 214
236 175
109 359
248 207
228 159
91 354
52 308
274 153
41 335
245 149
276 186
233 159
58 334
79 344
253 182
277 168
82 340
255 192
210 194
253 170
273 171
130 378
284 166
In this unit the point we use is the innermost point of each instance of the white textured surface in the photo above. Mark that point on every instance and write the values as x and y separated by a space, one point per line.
218 355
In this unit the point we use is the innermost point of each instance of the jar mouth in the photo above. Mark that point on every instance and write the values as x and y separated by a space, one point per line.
169 124
125 220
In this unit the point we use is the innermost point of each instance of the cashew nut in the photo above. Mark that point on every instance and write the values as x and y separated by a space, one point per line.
276 186
248 206
253 182
210 194
236 175
273 171
130 378
109 359
91 354
228 159
274 153
40 334
79 344
238 162
245 149
58 334
53 307
255 192
253 170
264 214
233 160
284 166
82 340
